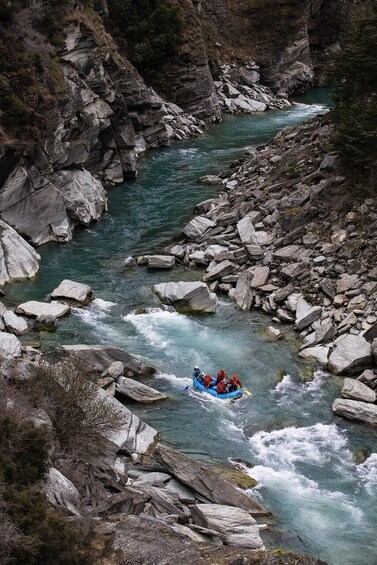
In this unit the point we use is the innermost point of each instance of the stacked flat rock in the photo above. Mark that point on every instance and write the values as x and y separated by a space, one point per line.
73 291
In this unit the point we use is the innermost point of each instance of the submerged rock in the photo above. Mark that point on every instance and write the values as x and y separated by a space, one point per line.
187 296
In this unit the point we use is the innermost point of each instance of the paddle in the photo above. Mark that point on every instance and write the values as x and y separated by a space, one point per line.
247 392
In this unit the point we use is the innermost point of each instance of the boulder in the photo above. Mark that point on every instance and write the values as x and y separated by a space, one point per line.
197 227
247 231
352 353
356 390
15 324
260 278
160 261
319 354
210 179
200 478
346 282
356 410
138 391
187 296
243 294
61 492
115 370
18 260
219 271
235 526
272 333
306 318
45 322
101 356
10 344
73 291
35 309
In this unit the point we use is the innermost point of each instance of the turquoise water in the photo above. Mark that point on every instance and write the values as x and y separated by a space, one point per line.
323 503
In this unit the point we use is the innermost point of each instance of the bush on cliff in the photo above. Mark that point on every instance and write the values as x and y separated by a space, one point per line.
149 30
31 533
69 396
355 113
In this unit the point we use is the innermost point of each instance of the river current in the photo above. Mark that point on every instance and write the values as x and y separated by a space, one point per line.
322 497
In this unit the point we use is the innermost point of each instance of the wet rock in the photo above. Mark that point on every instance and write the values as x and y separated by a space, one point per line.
187 296
73 291
197 227
356 410
35 309
319 353
235 526
138 391
161 261
99 357
356 390
272 333
45 322
351 354
198 477
210 179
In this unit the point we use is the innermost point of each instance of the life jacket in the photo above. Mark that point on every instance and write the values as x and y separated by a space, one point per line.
221 375
207 380
221 387
235 381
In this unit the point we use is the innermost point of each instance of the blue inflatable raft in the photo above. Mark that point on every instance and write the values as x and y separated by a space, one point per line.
227 395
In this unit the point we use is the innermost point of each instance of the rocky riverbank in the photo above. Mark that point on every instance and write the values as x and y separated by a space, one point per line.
145 501
287 236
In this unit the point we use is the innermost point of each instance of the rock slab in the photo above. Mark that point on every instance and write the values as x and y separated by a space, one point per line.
187 296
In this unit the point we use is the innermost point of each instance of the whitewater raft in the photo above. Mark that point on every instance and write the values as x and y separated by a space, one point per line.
225 396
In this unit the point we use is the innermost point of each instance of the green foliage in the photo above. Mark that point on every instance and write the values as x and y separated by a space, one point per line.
150 30
355 113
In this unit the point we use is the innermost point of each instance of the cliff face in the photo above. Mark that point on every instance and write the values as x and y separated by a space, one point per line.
75 113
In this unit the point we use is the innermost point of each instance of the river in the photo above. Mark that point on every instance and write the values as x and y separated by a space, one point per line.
323 502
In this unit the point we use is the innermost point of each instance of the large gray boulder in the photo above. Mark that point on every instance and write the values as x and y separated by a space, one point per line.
73 291
219 271
306 314
61 492
33 308
10 344
356 390
133 436
320 354
243 293
200 478
138 391
352 354
235 525
161 261
197 227
15 324
187 296
18 260
84 197
356 410
100 357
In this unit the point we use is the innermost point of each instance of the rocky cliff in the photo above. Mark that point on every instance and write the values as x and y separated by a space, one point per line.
75 113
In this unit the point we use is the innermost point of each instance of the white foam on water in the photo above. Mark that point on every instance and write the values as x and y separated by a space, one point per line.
173 379
129 260
367 473
95 315
317 444
104 305
287 390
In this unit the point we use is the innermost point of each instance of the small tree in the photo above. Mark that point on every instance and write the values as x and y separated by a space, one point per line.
355 113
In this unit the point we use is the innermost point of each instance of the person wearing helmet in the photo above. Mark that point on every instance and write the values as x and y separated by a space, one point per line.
222 387
197 375
208 381
234 383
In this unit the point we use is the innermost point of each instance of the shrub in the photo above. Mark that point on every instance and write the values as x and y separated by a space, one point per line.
70 397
